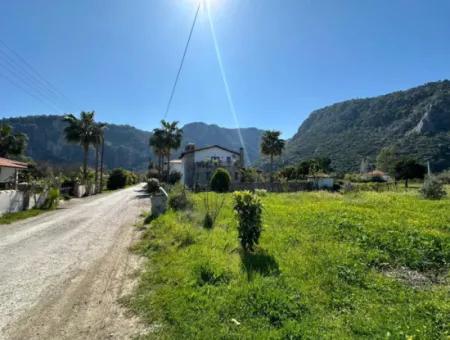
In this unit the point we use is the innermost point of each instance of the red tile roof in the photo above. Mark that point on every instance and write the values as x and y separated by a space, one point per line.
8 163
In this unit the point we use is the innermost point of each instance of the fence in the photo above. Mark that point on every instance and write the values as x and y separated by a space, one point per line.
275 187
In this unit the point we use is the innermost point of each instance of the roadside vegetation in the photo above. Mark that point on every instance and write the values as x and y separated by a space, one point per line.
9 218
325 265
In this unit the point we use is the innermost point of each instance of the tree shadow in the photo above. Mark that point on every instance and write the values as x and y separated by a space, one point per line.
259 262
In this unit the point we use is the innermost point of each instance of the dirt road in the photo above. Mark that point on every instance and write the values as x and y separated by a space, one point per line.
61 273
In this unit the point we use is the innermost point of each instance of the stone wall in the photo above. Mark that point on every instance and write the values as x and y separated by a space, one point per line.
15 200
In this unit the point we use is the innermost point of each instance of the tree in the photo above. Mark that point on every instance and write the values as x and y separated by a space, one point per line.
98 142
272 145
386 160
11 144
407 169
157 143
80 130
173 136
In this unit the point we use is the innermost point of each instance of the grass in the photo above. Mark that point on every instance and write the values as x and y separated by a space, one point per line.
9 218
320 271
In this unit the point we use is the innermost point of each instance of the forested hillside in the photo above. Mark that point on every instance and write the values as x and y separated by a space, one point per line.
416 122
125 146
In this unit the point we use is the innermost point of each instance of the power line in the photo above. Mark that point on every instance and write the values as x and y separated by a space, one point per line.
182 61
32 73
24 89
19 75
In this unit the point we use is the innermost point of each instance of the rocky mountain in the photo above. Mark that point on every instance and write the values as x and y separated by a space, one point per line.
415 121
125 146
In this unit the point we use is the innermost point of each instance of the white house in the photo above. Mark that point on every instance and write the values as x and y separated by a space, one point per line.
196 165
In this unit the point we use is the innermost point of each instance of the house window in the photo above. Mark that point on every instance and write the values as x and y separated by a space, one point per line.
228 159
236 176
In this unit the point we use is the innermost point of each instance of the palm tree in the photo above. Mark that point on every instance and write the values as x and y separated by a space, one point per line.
11 144
272 145
97 141
80 130
173 136
157 143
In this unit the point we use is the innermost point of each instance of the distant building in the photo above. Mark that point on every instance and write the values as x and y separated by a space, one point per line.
197 165
9 172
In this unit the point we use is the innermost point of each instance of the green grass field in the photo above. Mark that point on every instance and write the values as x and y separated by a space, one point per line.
366 265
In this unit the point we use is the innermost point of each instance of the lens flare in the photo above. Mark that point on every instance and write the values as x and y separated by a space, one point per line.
224 78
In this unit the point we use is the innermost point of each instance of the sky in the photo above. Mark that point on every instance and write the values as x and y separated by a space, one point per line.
282 58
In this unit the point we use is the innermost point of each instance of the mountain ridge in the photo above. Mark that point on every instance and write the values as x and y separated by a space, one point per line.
415 121
125 145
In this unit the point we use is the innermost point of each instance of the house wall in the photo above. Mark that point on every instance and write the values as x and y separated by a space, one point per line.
11 201
15 200
206 155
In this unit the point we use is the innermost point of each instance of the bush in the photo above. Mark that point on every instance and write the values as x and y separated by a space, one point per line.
52 199
248 209
118 179
444 177
208 221
179 199
153 186
132 178
432 188
174 177
220 181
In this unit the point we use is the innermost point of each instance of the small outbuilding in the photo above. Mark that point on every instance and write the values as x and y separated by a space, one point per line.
9 172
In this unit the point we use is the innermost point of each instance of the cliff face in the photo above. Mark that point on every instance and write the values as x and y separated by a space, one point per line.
416 121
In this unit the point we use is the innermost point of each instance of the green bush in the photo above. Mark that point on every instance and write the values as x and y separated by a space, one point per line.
118 179
444 177
432 188
248 209
153 186
220 181
179 198
174 177
52 199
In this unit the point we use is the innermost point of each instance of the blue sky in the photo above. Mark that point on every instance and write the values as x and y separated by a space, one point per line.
283 58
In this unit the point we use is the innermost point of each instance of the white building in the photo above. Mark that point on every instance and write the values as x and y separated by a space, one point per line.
197 165
9 171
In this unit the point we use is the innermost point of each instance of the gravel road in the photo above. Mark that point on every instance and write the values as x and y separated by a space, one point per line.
62 272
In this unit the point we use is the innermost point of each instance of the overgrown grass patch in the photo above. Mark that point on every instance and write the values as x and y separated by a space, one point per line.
9 218
319 270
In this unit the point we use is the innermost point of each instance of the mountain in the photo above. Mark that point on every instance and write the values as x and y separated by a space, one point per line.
416 122
125 146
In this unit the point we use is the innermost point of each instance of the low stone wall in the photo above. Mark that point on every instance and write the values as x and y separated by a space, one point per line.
15 200
11 201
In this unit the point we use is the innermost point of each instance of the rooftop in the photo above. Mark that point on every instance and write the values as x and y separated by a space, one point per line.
8 163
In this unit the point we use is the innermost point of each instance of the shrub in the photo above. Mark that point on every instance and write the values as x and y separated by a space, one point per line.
220 181
208 221
432 188
117 179
248 209
132 178
444 177
153 186
174 177
179 199
52 199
